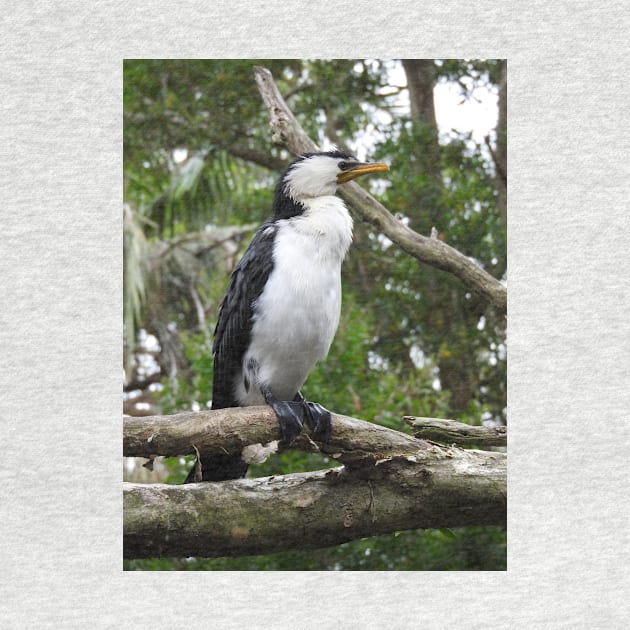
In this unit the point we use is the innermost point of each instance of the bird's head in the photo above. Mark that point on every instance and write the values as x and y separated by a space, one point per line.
318 174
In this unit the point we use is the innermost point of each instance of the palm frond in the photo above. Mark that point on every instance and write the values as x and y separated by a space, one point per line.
135 259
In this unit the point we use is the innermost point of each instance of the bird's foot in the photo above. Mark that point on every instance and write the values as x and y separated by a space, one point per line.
290 415
317 418
319 421
293 413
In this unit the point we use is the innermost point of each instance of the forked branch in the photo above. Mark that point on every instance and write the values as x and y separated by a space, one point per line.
287 131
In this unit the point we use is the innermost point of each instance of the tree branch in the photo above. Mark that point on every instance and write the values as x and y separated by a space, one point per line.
249 154
391 481
498 165
286 130
459 433
232 430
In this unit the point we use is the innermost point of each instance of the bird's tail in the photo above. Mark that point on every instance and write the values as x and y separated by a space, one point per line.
217 468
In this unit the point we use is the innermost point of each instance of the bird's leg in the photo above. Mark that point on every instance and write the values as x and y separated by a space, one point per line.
290 415
317 418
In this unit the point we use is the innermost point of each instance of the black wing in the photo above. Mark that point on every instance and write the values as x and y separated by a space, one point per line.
232 333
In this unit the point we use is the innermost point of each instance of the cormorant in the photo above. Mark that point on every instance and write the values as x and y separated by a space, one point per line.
282 306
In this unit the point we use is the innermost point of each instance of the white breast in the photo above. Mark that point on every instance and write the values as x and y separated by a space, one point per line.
297 314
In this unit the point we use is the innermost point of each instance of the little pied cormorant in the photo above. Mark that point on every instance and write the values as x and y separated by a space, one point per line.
282 306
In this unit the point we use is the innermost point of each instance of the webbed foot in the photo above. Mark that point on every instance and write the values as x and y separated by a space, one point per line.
290 415
290 418
319 421
317 418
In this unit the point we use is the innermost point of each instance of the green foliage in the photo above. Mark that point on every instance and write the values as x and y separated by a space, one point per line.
355 381
461 549
412 339
135 248
192 103
427 307
188 393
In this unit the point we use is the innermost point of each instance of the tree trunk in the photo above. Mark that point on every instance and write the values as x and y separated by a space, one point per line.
501 146
420 75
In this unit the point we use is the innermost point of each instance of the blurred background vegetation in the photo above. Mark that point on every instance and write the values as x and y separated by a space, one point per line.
199 171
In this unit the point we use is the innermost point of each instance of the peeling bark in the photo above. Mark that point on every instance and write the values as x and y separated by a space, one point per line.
459 433
390 482
313 510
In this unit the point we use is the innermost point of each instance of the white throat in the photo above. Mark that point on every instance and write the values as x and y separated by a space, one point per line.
324 230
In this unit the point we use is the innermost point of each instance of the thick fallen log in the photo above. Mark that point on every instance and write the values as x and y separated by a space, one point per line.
390 481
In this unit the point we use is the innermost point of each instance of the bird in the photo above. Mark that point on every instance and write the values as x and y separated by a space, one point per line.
282 306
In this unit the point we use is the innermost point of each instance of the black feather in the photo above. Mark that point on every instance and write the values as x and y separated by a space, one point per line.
231 339
234 325
342 155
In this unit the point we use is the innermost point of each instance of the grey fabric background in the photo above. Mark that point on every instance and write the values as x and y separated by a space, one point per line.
61 299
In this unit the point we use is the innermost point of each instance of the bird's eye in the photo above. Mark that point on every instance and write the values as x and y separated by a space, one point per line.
344 166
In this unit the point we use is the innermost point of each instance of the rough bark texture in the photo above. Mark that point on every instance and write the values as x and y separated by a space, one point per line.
312 510
452 432
391 481
232 430
287 131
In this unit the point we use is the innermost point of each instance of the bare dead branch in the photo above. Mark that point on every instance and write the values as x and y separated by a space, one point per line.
232 430
287 131
459 433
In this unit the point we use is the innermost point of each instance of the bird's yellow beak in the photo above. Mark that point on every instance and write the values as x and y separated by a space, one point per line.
361 169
